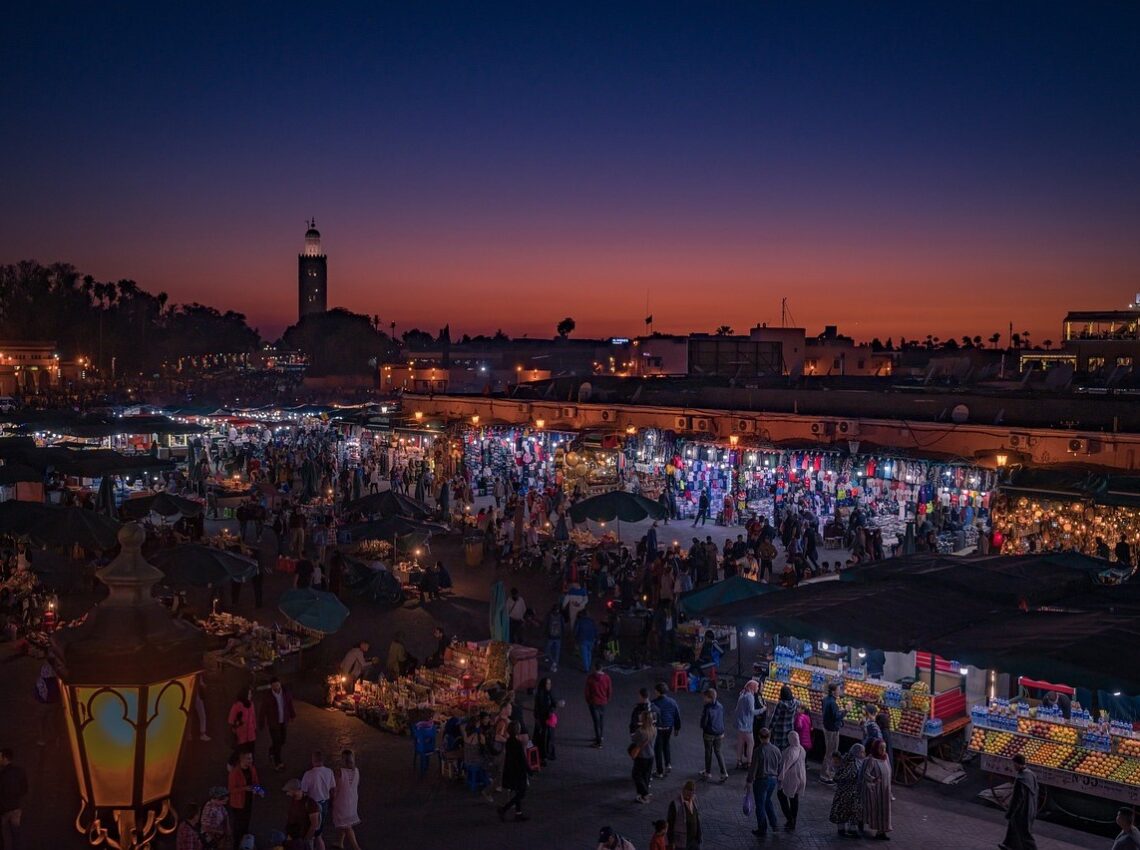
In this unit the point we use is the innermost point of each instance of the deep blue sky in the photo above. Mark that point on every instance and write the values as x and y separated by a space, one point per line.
893 168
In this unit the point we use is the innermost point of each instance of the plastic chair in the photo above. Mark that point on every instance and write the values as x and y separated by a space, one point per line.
423 745
680 680
477 777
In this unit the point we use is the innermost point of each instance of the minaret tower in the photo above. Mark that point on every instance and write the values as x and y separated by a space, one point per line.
312 275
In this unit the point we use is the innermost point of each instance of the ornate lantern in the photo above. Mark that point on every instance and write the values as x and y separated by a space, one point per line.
127 679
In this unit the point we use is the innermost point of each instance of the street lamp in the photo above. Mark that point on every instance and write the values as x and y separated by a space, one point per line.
1002 459
127 676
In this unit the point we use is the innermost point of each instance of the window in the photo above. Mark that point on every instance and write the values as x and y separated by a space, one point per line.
1123 361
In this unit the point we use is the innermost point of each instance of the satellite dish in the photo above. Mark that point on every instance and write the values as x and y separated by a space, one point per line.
585 391
960 414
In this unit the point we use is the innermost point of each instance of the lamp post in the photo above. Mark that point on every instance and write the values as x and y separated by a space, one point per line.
128 675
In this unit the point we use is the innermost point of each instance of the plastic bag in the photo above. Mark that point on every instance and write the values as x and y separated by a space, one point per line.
749 801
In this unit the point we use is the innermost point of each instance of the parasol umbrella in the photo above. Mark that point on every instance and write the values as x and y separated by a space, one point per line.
55 571
200 565
163 504
390 528
500 625
388 504
75 526
313 609
18 517
617 504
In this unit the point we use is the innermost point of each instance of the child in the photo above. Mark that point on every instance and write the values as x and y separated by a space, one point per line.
658 841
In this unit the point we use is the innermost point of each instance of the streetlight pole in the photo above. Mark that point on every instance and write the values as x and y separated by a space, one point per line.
127 674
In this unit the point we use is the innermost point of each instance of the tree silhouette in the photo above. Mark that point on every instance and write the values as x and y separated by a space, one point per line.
1048 344
995 339
724 330
1015 340
566 327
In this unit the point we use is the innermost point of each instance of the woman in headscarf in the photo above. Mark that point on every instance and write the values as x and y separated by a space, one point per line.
877 790
847 805
793 779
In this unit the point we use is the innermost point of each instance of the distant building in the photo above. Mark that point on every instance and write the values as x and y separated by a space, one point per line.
831 353
312 275
28 367
1094 342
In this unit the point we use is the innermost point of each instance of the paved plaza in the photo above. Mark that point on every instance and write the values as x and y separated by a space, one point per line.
568 802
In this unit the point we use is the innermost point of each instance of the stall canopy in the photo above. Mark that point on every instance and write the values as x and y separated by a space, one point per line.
696 602
1059 626
86 463
1103 488
97 427
1029 579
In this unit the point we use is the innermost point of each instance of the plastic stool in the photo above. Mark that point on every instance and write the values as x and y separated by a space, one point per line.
533 759
477 777
680 680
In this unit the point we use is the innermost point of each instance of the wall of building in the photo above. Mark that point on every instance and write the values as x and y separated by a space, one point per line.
847 419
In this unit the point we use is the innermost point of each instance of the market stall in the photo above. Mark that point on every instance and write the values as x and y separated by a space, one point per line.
921 723
465 681
1048 510
250 646
1084 753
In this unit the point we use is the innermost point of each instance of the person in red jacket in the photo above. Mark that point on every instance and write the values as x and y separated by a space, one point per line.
276 712
243 786
599 689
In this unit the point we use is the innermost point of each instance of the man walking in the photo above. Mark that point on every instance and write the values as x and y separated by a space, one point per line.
832 722
762 777
712 725
13 789
1022 809
318 784
599 691
276 712
702 509
668 724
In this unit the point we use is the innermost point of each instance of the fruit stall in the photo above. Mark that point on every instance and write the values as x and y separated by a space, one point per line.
1083 753
920 723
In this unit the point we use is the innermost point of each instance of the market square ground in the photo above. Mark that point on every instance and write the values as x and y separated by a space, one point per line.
581 791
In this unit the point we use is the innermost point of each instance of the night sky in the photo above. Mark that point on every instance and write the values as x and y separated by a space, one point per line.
893 168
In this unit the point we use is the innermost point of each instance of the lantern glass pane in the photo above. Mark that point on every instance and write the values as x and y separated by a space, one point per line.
109 719
76 754
167 712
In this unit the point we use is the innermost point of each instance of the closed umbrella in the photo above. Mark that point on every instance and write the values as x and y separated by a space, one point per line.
445 500
314 609
500 624
105 498
201 565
